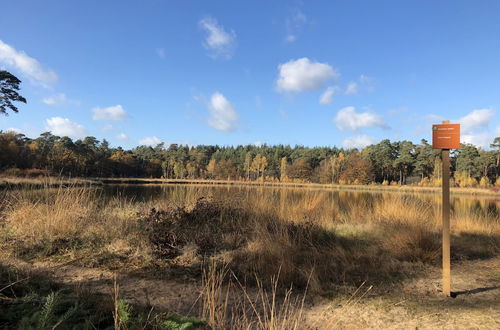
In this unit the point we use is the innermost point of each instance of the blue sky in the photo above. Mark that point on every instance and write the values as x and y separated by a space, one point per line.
344 73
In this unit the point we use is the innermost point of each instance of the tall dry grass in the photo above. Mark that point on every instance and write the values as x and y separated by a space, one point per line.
228 304
65 220
310 237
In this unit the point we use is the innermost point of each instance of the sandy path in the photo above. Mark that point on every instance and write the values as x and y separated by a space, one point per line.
415 304
419 304
164 295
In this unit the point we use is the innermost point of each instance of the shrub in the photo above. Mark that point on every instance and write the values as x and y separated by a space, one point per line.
485 182
464 180
173 228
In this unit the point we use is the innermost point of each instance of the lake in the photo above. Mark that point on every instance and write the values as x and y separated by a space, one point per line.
308 198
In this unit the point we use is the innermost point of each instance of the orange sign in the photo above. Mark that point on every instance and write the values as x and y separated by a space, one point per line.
446 136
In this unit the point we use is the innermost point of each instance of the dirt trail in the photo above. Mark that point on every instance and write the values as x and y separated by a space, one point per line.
415 304
419 304
164 295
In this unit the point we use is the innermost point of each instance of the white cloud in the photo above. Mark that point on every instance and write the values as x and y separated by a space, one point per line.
115 113
59 99
64 127
348 119
479 140
223 115
150 141
122 136
27 65
327 96
476 119
218 41
352 88
161 53
359 141
304 75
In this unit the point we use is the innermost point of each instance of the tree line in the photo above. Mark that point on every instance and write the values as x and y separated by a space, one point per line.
401 162
387 162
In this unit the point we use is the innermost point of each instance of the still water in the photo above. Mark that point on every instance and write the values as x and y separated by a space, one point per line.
342 200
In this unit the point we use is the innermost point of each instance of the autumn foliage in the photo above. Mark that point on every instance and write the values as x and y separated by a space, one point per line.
388 163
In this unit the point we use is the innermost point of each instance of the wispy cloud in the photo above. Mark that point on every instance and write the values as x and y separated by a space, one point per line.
293 25
358 141
28 66
327 96
60 100
352 88
363 84
433 119
304 75
219 42
283 114
107 128
223 115
64 127
122 136
115 113
348 119
150 141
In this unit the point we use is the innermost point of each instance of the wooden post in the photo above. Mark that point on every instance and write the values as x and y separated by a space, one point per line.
445 157
446 136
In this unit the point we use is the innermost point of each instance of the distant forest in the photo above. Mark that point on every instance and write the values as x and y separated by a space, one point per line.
387 162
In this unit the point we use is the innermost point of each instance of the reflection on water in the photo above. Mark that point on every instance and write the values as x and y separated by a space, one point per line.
285 197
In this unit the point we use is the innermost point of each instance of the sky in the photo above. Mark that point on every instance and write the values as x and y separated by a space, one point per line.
315 73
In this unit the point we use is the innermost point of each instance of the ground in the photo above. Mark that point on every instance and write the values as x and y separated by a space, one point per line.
416 303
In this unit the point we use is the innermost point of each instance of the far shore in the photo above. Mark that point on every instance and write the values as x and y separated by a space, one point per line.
491 191
14 182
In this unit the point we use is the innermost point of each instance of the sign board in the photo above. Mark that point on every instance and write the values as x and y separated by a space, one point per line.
446 136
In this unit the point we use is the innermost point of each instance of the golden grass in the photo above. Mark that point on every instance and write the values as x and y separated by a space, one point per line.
259 242
310 237
57 215
42 181
66 220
